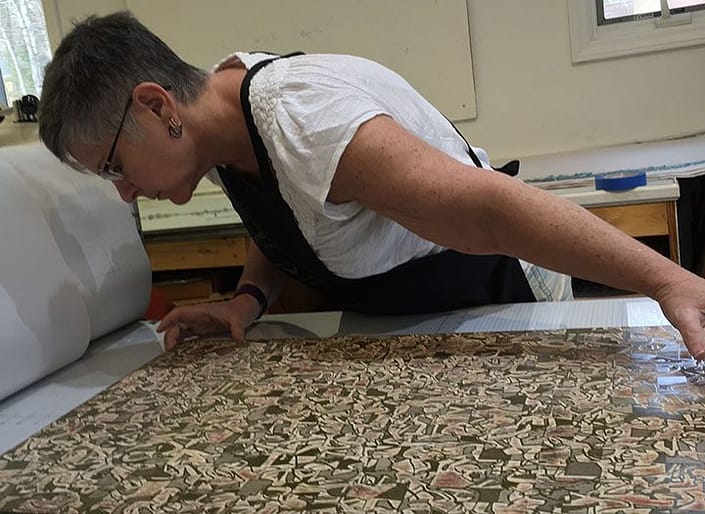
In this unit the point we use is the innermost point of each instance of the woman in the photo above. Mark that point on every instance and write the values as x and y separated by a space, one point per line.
345 177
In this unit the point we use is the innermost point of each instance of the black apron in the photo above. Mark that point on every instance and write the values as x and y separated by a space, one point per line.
443 281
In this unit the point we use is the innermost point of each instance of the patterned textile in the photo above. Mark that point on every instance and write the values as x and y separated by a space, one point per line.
607 420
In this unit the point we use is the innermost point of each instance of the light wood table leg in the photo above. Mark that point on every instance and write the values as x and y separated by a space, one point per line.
673 241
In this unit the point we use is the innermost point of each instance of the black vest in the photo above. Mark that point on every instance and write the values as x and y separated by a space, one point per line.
444 281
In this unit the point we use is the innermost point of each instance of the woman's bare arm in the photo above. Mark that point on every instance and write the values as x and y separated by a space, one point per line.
387 169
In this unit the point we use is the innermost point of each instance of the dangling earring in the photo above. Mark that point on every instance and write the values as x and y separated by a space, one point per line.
175 128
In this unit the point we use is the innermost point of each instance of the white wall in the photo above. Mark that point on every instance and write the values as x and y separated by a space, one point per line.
531 99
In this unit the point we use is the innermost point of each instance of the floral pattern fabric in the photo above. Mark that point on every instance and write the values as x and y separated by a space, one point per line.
592 420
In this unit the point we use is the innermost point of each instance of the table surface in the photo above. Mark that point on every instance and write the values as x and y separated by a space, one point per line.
116 355
658 190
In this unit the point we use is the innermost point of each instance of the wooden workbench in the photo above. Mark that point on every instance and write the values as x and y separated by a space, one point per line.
643 212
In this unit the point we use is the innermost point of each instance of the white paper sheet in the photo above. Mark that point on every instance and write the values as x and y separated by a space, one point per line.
621 312
613 312
683 157
105 362
44 322
72 265
96 233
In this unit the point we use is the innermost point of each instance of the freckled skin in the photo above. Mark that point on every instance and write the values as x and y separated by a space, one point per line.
387 169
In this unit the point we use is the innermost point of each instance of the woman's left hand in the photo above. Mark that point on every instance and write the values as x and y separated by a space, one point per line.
683 303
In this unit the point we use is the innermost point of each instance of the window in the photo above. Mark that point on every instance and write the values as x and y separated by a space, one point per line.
24 49
3 97
604 29
615 11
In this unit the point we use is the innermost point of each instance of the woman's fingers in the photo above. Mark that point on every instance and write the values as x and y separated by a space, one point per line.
178 333
185 322
691 328
169 319
237 332
172 336
183 316
201 320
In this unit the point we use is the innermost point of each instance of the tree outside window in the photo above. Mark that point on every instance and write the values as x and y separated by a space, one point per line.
24 48
629 10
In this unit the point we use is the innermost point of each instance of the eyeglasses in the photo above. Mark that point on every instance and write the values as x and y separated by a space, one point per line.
110 172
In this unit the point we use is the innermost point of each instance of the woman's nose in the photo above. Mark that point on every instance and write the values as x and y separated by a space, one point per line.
126 190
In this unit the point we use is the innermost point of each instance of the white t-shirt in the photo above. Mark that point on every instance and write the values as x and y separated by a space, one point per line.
307 109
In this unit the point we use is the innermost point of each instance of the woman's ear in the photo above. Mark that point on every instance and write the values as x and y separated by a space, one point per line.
151 96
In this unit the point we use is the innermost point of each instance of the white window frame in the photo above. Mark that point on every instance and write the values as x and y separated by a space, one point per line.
590 42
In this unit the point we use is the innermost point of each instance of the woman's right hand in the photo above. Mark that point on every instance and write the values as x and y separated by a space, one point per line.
233 316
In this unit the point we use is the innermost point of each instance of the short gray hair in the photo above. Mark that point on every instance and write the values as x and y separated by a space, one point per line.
93 72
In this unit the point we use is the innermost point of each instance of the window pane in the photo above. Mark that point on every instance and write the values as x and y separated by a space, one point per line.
629 8
3 98
679 4
610 11
24 47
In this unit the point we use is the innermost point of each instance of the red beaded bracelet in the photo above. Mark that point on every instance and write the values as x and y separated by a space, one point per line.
256 293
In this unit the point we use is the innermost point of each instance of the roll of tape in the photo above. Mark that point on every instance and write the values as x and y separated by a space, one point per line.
620 181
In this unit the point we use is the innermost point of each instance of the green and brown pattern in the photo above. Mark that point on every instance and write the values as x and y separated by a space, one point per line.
608 420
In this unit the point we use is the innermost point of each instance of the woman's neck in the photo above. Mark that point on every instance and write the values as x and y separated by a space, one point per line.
221 133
